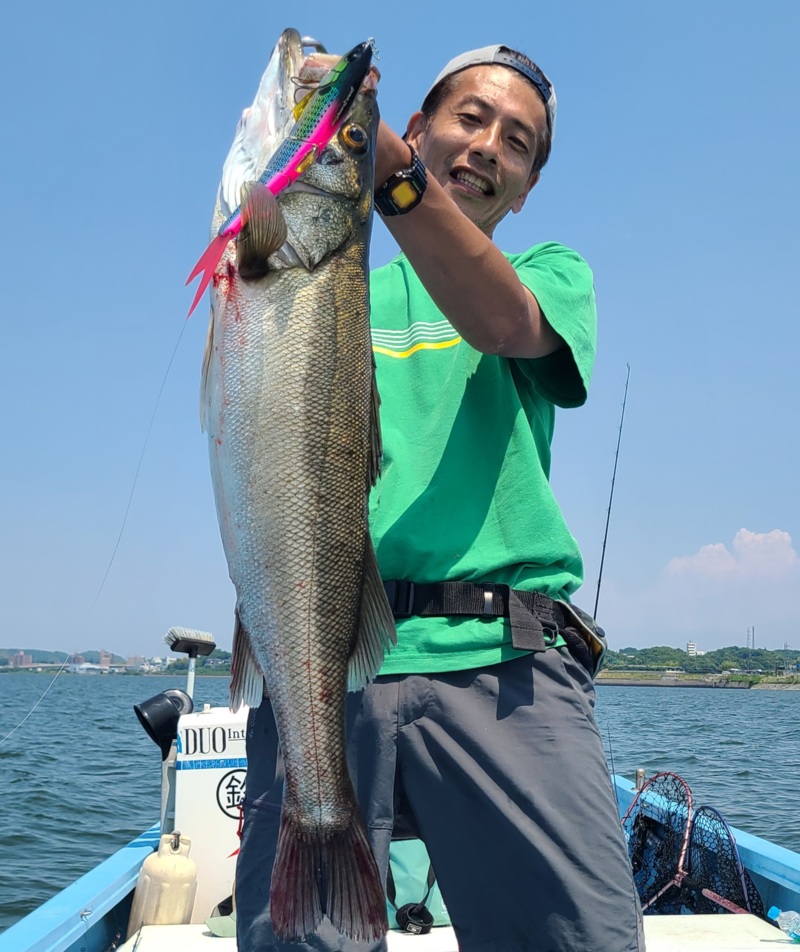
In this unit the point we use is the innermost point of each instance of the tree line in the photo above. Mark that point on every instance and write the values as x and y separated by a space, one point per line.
712 662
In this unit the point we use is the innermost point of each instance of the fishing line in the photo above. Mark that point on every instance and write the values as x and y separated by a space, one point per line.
122 527
14 731
613 770
139 464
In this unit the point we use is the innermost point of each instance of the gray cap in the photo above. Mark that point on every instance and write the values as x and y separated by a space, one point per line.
505 56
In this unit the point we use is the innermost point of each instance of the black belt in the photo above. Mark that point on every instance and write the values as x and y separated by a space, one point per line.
536 620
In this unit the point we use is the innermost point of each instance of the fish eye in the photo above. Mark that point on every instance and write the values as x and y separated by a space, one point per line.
354 138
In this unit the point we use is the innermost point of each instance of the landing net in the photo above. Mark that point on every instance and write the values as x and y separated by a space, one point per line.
716 880
685 861
657 829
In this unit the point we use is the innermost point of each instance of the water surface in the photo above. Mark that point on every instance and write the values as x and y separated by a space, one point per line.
81 778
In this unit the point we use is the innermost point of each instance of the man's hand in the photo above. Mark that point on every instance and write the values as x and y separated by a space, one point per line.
316 65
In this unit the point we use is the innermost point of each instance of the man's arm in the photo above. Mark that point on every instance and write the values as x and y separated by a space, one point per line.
464 272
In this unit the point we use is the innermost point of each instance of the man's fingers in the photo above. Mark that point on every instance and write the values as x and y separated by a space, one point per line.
316 65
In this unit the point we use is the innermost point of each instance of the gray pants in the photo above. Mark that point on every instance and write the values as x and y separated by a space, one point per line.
501 772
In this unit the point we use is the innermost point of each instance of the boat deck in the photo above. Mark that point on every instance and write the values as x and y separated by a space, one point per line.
662 934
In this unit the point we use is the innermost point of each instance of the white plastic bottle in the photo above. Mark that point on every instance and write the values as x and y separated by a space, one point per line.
788 922
166 886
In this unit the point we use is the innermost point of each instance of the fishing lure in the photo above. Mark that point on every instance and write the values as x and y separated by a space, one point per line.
320 117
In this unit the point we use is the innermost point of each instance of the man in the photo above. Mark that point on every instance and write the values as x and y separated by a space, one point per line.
479 735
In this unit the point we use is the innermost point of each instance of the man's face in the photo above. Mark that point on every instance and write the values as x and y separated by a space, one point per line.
480 143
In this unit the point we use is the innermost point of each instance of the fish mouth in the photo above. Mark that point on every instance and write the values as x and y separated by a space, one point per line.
473 182
298 186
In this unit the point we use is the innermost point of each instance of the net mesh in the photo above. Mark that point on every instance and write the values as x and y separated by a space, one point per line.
657 829
716 881
684 861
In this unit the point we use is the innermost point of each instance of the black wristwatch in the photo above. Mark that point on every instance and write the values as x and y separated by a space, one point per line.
404 190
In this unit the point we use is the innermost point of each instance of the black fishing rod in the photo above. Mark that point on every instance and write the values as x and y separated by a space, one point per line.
611 495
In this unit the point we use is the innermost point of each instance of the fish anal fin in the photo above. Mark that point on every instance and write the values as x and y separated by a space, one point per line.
247 678
331 872
377 633
263 231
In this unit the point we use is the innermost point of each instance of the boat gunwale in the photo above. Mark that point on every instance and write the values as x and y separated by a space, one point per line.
66 919
63 922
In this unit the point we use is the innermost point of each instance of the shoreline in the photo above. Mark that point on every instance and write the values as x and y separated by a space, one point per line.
693 683
613 681
670 683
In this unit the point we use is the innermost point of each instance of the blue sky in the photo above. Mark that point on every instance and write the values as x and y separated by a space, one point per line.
674 173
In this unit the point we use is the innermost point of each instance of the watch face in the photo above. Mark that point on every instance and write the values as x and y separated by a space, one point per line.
405 195
404 190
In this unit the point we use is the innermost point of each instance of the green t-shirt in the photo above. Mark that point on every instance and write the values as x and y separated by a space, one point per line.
464 492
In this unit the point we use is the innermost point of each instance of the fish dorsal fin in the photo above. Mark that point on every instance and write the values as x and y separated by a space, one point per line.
375 438
377 633
247 679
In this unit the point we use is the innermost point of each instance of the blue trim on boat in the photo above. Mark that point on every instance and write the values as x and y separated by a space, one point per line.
88 913
775 870
211 764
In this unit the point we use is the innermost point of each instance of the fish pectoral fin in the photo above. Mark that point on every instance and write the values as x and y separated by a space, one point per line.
247 678
377 633
375 438
263 231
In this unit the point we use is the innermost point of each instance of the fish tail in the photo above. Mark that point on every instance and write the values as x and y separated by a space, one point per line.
355 900
326 873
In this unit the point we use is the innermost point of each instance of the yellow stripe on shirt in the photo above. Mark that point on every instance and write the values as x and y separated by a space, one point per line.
401 354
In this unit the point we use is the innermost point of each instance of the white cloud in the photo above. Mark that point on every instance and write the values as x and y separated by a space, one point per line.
753 555
713 597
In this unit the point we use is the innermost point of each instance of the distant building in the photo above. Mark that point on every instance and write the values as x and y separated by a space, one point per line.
106 659
691 649
135 661
78 659
21 660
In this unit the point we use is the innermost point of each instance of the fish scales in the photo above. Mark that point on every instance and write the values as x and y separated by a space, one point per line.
290 410
294 453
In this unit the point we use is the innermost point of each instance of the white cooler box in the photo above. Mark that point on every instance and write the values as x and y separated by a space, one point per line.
210 764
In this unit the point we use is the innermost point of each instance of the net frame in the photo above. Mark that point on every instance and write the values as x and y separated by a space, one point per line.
716 880
656 826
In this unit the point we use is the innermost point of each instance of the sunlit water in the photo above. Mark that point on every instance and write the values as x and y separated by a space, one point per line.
80 778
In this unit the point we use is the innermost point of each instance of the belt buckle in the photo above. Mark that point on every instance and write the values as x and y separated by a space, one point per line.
402 598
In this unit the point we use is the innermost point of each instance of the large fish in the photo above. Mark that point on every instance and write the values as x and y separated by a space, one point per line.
291 412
